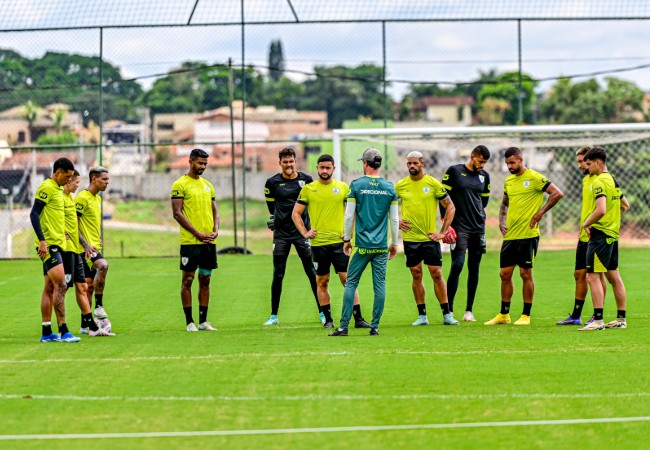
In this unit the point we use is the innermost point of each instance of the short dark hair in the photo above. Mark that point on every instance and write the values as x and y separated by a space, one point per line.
512 151
96 171
481 150
582 151
64 164
75 174
596 153
198 153
286 152
325 158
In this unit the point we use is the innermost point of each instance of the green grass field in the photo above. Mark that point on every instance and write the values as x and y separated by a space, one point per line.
430 387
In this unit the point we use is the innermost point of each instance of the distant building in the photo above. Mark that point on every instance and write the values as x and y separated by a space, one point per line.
174 127
446 111
15 129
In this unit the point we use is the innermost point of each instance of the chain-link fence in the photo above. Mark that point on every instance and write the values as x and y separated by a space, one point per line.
135 86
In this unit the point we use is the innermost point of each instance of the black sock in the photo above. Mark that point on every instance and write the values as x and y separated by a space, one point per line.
577 309
356 313
188 314
598 313
63 328
327 310
505 307
422 309
527 307
99 300
47 328
620 314
445 308
203 314
88 322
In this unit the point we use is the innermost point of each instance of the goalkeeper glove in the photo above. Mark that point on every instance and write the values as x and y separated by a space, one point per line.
271 223
450 236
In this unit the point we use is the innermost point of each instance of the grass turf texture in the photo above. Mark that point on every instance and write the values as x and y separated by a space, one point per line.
154 376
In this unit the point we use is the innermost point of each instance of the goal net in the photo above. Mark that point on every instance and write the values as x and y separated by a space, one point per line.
549 149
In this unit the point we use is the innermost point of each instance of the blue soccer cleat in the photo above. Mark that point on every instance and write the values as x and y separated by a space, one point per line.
570 321
69 337
51 338
448 319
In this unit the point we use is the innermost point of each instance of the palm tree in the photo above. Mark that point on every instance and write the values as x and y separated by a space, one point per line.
57 116
30 114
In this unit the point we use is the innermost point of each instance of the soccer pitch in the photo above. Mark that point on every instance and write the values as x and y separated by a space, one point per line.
291 386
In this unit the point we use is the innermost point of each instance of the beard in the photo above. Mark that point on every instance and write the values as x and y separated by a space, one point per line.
324 176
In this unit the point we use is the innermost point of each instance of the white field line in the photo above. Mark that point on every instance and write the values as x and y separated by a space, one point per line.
319 398
230 356
426 426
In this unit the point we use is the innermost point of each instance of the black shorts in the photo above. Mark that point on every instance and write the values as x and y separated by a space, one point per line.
202 256
581 255
282 247
89 271
472 242
602 252
325 255
73 264
427 252
519 252
53 258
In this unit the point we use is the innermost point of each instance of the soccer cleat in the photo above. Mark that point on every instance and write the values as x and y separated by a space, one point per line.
99 332
361 323
69 337
523 320
421 320
51 338
499 319
85 330
591 320
322 318
618 323
469 317
328 325
570 321
100 313
191 327
206 326
339 332
374 332
273 320
593 326
448 319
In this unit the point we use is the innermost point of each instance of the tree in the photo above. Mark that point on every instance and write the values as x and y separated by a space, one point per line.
58 116
30 114
506 87
276 60
588 102
346 92
493 111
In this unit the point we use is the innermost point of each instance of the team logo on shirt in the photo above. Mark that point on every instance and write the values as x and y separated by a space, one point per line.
301 183
207 188
336 191
527 183
482 178
43 195
426 189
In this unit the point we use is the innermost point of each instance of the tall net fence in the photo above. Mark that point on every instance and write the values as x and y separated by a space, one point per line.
134 86
549 150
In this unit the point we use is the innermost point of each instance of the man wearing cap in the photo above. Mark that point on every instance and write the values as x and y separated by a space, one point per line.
371 201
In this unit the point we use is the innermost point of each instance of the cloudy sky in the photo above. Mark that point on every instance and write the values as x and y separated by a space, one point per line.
452 51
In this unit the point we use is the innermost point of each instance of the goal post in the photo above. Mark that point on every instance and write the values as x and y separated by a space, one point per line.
549 149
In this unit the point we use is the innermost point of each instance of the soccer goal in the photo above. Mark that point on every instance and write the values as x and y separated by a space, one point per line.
549 149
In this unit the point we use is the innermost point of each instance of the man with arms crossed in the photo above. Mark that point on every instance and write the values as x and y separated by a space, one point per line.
281 192
194 207
325 201
73 261
371 201
48 220
420 194
602 226
468 186
89 213
519 216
